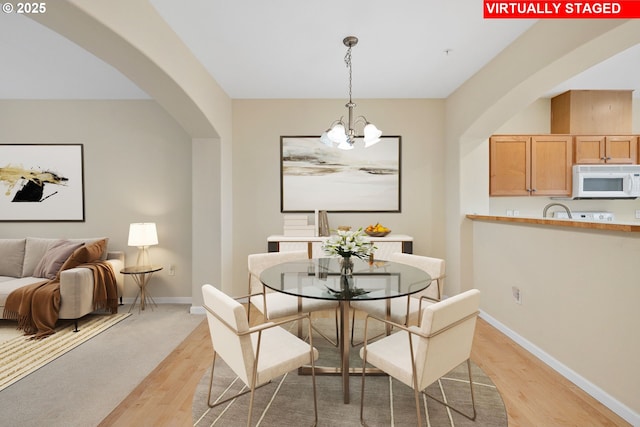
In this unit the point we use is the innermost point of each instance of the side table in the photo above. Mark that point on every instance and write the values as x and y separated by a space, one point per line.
141 275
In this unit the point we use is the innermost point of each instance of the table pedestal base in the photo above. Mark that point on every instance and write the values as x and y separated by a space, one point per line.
345 348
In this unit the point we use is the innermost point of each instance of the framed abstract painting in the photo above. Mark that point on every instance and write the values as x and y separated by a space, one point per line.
41 182
314 176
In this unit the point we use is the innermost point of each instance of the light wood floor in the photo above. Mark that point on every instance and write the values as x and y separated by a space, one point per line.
533 393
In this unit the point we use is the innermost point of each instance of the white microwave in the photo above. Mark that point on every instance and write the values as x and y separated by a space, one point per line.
606 181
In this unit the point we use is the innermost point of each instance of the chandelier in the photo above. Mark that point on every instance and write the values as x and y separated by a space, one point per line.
341 134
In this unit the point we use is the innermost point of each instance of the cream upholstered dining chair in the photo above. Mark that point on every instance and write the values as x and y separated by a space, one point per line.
407 311
274 305
419 355
257 354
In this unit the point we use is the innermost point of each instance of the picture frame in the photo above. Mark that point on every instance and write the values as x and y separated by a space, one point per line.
314 176
42 182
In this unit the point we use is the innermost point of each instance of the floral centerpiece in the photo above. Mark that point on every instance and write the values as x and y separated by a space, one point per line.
348 244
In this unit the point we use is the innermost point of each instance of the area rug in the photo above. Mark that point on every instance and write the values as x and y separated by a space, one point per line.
21 356
8 330
288 400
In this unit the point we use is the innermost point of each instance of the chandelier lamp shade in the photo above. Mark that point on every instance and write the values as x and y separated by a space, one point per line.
143 235
341 134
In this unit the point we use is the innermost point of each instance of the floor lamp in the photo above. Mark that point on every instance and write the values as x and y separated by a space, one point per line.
143 235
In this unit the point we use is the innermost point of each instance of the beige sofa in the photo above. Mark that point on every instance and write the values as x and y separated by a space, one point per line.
20 263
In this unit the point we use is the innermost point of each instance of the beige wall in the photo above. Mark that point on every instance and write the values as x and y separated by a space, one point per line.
580 298
579 288
480 107
137 163
244 190
145 49
257 127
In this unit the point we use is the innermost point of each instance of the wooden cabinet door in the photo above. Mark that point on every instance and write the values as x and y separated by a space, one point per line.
551 162
589 149
621 149
509 165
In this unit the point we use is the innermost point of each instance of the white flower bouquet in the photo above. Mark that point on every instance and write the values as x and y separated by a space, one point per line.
349 243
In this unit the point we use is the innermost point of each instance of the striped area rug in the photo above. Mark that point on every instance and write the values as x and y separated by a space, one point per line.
287 401
21 356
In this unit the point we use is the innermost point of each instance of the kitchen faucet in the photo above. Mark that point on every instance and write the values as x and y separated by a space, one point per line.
546 208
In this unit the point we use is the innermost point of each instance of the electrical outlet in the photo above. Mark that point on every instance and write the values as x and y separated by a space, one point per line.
172 270
516 212
517 294
637 213
509 212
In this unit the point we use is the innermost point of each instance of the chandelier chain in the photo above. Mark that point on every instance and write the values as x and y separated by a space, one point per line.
347 60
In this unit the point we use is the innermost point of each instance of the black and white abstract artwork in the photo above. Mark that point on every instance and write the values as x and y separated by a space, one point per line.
314 176
41 182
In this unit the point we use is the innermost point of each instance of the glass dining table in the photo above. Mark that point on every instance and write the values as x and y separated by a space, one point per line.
325 278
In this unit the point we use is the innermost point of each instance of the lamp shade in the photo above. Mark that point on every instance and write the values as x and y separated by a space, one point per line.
143 234
324 138
371 135
337 134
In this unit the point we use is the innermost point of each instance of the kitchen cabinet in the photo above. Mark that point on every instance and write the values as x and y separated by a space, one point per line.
313 245
596 149
592 112
530 165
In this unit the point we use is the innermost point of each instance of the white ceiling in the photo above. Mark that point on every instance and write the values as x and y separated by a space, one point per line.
293 49
38 63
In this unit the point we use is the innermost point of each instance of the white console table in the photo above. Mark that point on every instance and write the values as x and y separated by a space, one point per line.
313 245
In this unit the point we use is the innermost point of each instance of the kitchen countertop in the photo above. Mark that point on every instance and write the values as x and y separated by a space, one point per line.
609 226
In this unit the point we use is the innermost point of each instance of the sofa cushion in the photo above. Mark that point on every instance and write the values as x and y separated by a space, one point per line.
11 257
34 250
53 259
36 247
103 255
8 286
89 252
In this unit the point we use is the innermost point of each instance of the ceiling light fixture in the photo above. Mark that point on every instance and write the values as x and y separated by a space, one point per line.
343 134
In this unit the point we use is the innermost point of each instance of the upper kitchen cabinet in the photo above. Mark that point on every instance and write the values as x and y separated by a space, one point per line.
592 112
530 165
620 149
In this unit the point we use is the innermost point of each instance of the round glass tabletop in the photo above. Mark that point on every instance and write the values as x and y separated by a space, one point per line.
141 269
321 278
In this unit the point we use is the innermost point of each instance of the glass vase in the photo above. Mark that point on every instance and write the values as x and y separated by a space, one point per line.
346 265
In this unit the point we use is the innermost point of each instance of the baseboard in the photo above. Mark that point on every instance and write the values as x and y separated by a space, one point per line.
173 300
198 309
596 392
163 300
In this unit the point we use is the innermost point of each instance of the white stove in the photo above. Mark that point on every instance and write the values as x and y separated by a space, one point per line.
591 216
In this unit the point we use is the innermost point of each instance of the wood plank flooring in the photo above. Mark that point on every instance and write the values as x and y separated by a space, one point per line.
534 394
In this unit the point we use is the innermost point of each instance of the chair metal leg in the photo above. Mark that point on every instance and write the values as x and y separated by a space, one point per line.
473 400
353 324
323 335
214 404
313 377
364 363
417 398
416 395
